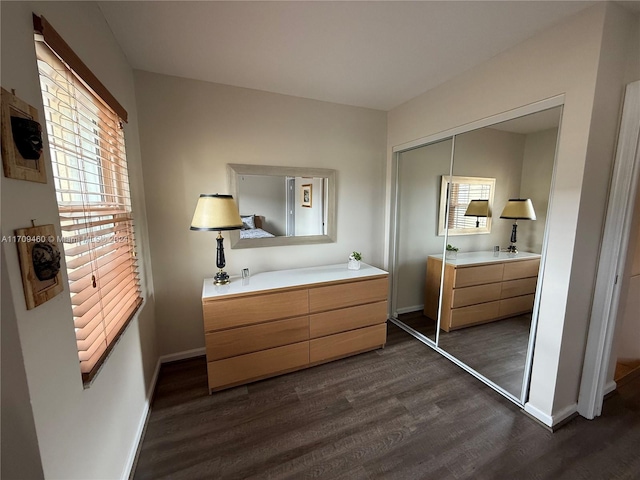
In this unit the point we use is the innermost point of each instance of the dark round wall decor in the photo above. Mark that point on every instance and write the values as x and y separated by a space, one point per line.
46 260
27 135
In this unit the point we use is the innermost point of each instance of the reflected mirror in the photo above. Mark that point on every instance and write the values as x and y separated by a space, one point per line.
419 173
490 283
282 205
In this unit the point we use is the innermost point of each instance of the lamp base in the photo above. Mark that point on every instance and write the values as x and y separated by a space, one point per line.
221 278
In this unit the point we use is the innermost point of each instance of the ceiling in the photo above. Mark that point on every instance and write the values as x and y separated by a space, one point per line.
369 54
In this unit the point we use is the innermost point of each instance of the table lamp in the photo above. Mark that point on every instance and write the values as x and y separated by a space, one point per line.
217 213
477 208
517 209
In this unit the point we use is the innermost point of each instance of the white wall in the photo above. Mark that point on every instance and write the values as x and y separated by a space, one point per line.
565 59
81 433
619 64
632 74
190 130
20 452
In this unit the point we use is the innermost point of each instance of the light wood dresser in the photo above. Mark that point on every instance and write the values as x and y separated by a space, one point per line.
481 287
278 322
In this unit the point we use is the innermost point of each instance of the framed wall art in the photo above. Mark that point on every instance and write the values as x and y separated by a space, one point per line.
305 195
40 264
21 135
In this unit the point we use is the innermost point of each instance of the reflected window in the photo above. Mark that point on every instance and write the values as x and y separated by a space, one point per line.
468 210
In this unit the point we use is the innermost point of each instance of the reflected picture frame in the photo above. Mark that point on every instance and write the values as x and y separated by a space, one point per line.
306 195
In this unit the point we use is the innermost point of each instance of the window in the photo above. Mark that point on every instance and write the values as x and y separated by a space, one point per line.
86 143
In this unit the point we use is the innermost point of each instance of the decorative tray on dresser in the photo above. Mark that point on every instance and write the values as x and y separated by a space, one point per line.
480 287
277 322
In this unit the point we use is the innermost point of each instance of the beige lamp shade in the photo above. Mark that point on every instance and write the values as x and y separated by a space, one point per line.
216 212
477 208
519 209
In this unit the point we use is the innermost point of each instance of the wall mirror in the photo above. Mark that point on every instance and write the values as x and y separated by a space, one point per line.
466 205
283 205
476 305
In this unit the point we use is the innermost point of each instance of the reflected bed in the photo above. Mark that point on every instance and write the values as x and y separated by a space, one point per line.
252 227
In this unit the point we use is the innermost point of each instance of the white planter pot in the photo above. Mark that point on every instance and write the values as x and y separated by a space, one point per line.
353 264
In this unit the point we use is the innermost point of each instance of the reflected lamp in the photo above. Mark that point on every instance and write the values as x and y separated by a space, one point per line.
217 213
477 208
517 209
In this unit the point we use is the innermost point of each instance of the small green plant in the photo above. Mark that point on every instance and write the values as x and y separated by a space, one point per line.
451 248
356 256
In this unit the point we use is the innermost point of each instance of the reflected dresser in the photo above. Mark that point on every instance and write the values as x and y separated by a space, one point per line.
277 322
480 287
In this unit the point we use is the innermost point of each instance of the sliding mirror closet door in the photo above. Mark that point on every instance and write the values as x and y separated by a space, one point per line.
496 216
419 174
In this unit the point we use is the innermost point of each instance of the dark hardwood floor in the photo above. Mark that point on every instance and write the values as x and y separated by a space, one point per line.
403 412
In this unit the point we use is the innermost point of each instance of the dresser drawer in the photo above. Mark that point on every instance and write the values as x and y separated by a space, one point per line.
257 365
482 312
516 288
238 341
462 297
236 312
335 321
469 276
347 343
516 305
343 295
521 269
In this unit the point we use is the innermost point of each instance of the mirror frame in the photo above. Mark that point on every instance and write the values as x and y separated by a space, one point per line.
234 170
444 202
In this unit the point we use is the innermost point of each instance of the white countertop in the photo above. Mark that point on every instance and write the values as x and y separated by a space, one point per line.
287 278
473 258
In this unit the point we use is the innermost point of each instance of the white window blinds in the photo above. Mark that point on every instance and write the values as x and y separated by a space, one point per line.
460 196
89 166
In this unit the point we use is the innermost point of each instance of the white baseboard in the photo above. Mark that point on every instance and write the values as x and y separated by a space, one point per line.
551 420
146 410
538 414
173 357
565 413
415 308
142 424
610 387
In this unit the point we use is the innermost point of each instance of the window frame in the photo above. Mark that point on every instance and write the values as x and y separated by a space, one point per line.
97 213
